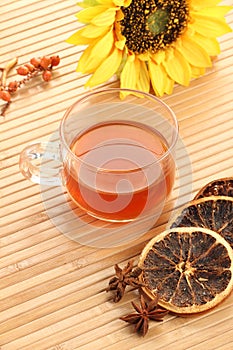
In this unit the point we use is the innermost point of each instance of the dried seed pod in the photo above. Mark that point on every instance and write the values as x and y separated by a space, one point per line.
35 62
12 86
55 60
22 70
47 75
5 95
45 62
30 67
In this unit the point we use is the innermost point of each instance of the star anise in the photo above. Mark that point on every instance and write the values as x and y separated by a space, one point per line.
124 277
145 312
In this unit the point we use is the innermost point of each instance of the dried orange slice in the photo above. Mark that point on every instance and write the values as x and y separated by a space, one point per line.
190 269
219 187
214 212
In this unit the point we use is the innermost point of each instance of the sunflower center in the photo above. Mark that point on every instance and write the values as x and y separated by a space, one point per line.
152 25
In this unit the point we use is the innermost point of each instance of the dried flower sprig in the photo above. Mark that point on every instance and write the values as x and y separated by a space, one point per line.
128 276
29 70
145 312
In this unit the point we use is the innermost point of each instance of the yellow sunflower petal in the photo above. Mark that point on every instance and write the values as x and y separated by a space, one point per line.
106 70
217 11
197 71
157 76
118 2
120 44
198 4
83 65
124 3
106 3
105 18
177 67
86 15
169 85
143 82
88 3
194 53
210 45
119 16
92 31
103 46
159 56
78 39
98 52
130 73
144 56
209 26
120 39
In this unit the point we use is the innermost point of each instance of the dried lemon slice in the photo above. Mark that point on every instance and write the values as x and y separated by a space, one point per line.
214 212
219 187
190 269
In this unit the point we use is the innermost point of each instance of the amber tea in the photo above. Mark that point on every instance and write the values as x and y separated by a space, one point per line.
121 174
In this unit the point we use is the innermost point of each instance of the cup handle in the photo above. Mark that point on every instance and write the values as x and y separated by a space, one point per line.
41 163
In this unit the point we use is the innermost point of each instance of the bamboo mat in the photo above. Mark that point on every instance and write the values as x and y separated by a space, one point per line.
52 289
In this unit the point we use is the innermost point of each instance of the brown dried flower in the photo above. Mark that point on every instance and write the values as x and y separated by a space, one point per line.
124 277
144 313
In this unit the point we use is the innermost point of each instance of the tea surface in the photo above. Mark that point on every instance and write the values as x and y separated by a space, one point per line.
118 176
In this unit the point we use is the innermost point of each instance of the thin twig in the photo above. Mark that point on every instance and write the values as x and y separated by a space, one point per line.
29 77
3 111
6 70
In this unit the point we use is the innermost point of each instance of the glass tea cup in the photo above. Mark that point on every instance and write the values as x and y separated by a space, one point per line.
116 149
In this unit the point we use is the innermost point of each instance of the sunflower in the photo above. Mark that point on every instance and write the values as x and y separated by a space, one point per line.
149 43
